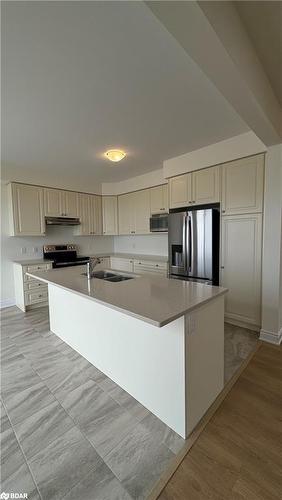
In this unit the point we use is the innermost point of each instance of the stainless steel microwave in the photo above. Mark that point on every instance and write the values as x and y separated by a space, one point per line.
159 223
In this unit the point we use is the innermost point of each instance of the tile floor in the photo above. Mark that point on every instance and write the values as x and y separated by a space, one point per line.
67 431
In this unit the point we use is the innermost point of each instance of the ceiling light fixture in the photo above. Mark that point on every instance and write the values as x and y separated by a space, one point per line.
115 154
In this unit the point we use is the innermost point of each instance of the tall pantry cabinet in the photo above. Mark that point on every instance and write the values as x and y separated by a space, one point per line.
241 239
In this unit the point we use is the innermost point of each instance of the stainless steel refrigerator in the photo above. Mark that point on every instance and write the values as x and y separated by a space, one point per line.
193 237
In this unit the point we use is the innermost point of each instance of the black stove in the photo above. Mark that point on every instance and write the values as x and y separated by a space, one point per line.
63 255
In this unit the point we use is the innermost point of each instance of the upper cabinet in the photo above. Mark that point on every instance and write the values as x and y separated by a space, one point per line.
134 212
58 203
159 199
242 186
205 186
96 214
27 215
141 207
84 215
70 204
110 215
90 214
126 214
53 202
196 188
180 191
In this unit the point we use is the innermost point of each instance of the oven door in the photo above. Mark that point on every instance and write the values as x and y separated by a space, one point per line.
159 223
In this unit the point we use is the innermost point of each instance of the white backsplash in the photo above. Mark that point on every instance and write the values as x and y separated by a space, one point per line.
155 244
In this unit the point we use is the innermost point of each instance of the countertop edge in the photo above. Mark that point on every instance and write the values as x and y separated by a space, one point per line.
158 324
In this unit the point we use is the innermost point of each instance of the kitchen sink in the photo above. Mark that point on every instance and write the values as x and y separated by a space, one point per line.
103 275
112 277
118 278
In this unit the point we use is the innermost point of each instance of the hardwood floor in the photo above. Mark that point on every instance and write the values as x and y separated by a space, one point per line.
239 454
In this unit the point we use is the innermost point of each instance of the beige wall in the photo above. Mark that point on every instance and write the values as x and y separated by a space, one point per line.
156 244
154 178
221 152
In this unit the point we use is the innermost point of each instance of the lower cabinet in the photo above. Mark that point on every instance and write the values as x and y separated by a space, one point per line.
122 264
241 268
150 267
30 292
139 266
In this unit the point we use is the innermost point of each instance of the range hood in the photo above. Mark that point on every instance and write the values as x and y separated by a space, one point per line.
62 221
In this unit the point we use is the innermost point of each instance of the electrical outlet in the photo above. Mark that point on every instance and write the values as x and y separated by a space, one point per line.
23 250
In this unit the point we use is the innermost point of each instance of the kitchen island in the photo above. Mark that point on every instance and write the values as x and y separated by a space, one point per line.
161 340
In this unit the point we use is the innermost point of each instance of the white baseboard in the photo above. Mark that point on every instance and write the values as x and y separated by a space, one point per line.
272 337
242 324
7 303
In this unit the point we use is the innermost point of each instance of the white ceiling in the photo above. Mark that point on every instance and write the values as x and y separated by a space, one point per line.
80 78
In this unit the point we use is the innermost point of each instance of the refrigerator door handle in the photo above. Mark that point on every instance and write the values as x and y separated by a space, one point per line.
184 239
191 245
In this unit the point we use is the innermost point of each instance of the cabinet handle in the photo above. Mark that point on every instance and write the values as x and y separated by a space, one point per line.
193 201
221 267
40 295
157 265
223 211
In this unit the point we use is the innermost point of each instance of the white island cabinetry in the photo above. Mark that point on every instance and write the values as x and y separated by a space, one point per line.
161 340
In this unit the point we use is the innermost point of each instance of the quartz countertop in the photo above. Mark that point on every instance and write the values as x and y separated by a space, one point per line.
30 262
136 256
155 300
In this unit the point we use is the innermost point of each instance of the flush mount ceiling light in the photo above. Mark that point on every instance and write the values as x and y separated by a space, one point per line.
115 154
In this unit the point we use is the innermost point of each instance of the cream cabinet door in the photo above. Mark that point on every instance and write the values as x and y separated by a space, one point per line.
122 264
142 211
27 210
70 203
242 186
150 267
110 222
205 186
241 267
126 214
180 191
54 202
97 215
84 215
159 199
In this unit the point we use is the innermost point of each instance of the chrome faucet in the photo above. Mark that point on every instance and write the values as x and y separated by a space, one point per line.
93 261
